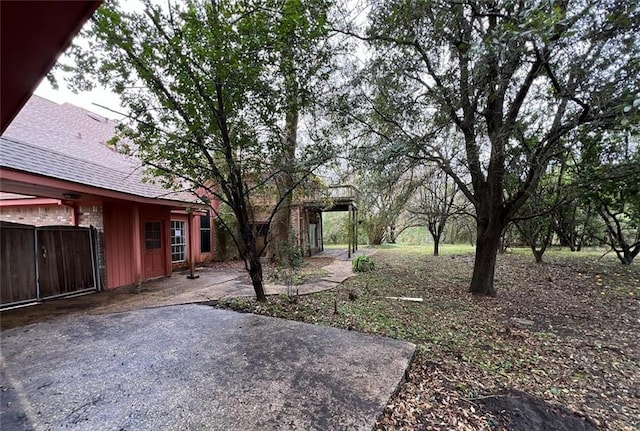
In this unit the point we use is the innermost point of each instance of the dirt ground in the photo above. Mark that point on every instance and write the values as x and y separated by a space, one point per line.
520 411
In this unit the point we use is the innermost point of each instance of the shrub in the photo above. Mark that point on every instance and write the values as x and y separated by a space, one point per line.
363 263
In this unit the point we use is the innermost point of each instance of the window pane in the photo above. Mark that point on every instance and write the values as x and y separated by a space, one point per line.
205 222
178 241
152 235
205 240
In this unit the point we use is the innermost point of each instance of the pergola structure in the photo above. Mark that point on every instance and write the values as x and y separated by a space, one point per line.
345 198
338 198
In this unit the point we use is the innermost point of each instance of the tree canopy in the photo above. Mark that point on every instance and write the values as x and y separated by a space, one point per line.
208 87
509 81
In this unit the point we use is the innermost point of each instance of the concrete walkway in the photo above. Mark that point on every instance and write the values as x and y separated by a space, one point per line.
215 282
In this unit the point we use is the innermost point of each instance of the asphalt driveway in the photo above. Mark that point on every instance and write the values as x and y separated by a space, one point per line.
194 367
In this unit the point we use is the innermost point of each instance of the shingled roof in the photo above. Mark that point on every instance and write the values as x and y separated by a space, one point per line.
69 143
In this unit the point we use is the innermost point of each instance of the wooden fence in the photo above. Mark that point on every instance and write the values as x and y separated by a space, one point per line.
38 263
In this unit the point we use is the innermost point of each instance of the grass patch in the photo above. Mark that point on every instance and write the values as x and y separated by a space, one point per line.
564 332
591 253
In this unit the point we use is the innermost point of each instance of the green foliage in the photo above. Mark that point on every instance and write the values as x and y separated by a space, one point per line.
363 263
294 254
492 91
335 227
609 170
383 200
303 274
437 202
415 235
207 87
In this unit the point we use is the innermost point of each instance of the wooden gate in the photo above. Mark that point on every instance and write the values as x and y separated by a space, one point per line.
17 263
37 263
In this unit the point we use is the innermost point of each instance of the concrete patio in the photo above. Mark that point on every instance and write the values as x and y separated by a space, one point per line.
194 367
137 361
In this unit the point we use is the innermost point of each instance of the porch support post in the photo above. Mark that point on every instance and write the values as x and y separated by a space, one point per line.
355 221
350 233
353 229
321 232
137 239
192 250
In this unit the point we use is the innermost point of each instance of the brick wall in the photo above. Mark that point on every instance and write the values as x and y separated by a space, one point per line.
92 215
38 216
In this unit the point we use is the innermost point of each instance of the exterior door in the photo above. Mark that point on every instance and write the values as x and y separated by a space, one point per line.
154 251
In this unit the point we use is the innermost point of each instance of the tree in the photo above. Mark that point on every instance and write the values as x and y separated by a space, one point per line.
575 223
303 58
335 227
534 222
611 168
383 198
206 98
512 78
435 204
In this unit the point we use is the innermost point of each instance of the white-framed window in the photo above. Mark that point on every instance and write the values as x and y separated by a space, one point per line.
178 241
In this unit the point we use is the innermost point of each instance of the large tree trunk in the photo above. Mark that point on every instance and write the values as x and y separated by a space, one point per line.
628 253
436 234
280 229
248 247
252 262
487 246
282 249
436 245
537 254
392 234
255 273
375 232
281 224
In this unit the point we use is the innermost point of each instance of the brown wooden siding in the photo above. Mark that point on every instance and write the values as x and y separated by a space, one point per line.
37 263
118 239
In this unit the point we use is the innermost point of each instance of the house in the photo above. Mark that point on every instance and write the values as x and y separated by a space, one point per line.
55 169
307 205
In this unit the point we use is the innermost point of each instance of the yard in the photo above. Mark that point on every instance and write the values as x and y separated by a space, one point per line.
557 345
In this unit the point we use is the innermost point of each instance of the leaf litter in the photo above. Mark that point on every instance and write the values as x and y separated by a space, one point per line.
557 349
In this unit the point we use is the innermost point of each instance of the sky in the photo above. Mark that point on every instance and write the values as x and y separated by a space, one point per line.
104 97
86 100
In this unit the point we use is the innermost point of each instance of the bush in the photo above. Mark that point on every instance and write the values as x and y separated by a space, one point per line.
363 263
